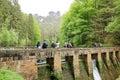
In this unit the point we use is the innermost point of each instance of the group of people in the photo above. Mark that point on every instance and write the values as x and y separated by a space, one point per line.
57 45
53 45
44 45
97 45
68 45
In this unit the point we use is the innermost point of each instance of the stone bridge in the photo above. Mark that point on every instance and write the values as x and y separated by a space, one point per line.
24 61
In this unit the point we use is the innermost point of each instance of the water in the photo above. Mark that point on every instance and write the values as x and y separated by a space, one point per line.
96 74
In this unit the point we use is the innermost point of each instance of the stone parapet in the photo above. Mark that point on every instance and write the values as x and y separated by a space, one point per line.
24 61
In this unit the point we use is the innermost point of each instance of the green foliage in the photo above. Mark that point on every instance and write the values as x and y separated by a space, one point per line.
37 33
13 37
5 39
57 75
16 28
30 28
8 38
22 42
89 21
103 16
86 22
114 27
9 75
76 26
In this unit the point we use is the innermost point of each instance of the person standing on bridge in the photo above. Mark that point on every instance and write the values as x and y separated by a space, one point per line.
69 45
57 44
38 45
95 45
65 45
44 45
53 44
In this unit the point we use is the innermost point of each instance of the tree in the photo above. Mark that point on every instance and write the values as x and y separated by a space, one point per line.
114 27
105 11
30 29
86 21
8 37
76 26
16 28
37 32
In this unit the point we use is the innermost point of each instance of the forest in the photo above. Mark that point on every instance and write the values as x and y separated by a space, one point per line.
16 27
86 22
92 21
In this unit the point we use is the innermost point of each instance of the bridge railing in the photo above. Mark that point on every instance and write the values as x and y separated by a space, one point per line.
25 53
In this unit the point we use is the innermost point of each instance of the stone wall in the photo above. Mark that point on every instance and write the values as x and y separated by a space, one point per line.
26 68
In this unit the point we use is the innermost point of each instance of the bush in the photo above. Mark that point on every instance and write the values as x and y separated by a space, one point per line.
9 75
8 37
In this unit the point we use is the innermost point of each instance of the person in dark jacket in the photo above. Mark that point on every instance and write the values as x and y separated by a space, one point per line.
44 45
53 44
38 45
